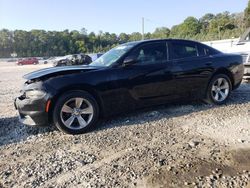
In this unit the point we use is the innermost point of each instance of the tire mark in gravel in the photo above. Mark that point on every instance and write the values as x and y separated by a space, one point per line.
68 175
61 179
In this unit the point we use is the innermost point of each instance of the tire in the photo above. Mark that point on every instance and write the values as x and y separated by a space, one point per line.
219 90
45 62
76 112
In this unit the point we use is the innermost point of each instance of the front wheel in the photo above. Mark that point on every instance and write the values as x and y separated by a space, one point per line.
75 112
219 90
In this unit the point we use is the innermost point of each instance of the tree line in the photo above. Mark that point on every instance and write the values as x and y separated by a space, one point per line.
41 43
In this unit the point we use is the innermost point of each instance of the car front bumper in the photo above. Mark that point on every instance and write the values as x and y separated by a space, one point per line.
32 112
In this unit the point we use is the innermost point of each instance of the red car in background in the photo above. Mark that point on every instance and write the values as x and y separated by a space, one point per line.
28 61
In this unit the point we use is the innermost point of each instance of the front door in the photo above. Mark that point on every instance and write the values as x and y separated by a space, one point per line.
149 80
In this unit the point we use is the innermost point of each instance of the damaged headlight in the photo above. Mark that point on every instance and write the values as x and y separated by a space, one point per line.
34 94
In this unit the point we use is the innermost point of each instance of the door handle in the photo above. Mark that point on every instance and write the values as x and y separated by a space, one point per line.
208 63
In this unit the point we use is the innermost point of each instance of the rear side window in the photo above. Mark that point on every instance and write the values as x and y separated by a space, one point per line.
184 50
206 51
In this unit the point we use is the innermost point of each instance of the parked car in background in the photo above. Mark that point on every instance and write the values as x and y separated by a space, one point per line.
95 56
28 61
11 60
128 77
43 60
75 59
62 61
50 60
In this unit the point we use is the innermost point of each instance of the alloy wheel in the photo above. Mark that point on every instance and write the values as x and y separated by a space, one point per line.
77 113
220 89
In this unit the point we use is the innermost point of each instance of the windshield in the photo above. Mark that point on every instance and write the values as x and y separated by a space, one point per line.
112 56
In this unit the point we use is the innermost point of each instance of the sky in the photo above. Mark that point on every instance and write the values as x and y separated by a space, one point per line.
114 16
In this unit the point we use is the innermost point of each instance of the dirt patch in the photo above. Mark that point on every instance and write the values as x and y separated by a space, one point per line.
240 159
234 169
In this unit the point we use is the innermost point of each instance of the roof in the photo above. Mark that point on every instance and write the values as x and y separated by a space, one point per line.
158 40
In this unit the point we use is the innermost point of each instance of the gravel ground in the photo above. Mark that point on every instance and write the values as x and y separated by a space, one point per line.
178 145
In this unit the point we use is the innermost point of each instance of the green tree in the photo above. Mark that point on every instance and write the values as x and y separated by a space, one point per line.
123 37
135 36
190 27
161 33
247 15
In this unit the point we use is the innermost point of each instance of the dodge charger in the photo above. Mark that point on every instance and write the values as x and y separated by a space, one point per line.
130 76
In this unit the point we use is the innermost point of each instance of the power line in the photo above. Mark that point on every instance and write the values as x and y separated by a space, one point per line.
154 22
151 21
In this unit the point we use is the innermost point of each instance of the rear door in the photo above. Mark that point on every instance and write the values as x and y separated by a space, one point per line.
29 61
192 67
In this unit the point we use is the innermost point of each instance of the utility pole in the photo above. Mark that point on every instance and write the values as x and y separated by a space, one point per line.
142 28
219 30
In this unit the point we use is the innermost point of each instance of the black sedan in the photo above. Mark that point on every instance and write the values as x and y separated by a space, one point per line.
128 77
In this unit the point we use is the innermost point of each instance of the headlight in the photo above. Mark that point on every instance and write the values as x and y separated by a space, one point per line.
35 94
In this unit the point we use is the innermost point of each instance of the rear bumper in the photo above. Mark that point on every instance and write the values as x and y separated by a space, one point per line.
247 70
238 73
32 112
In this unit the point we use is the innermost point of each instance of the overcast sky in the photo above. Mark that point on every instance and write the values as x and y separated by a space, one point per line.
107 15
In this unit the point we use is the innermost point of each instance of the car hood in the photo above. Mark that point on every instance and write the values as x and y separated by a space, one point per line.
56 71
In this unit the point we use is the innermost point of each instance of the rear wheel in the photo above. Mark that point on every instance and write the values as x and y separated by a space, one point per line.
219 90
75 112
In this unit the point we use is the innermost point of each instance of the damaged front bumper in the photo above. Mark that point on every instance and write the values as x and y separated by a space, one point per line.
32 112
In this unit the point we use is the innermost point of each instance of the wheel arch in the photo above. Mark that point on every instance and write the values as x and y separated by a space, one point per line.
226 72
71 88
220 71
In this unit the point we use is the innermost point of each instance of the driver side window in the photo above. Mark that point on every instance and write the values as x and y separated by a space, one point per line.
151 53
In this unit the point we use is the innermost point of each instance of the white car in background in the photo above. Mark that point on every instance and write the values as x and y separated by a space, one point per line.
45 60
240 45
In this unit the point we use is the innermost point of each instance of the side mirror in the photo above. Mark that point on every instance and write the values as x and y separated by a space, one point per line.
130 60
